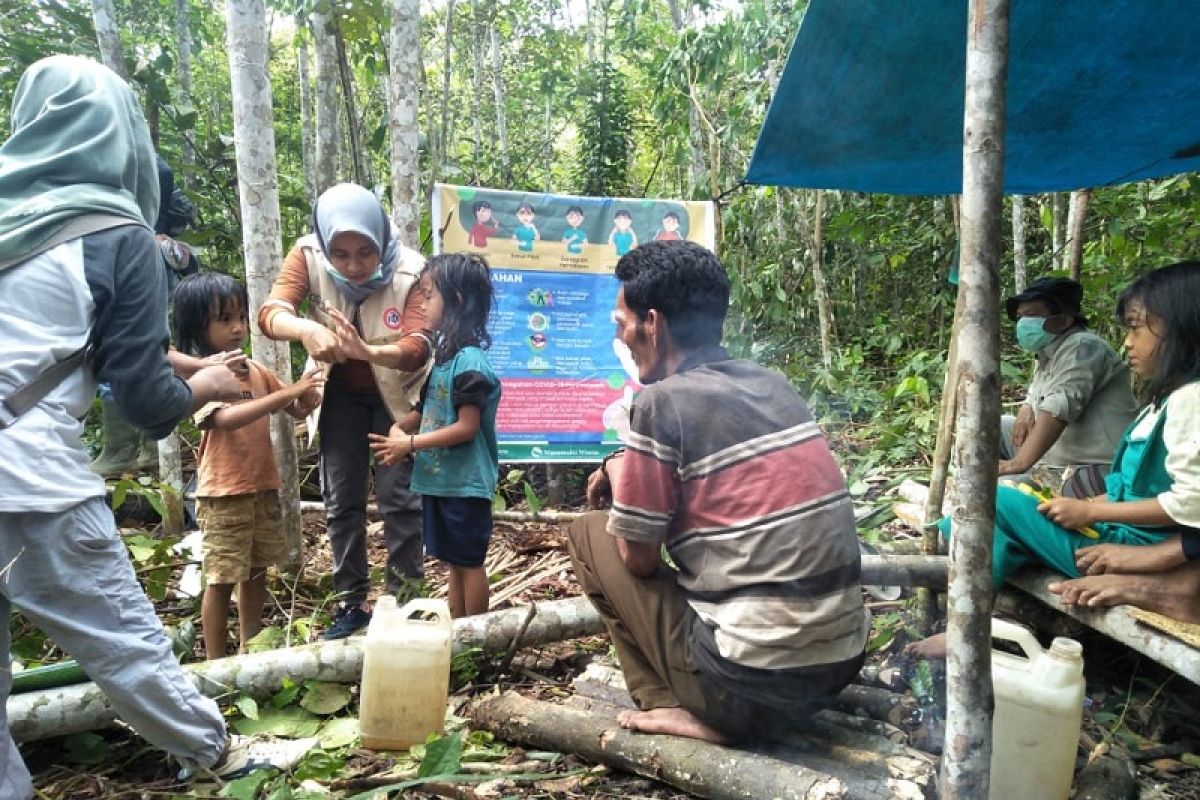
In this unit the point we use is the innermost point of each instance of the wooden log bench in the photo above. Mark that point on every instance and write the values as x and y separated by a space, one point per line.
1118 623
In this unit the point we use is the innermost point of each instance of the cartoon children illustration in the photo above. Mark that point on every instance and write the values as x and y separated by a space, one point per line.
574 235
622 238
670 228
526 233
484 225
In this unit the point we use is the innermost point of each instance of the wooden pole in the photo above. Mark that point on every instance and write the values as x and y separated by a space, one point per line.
969 703
1076 216
262 248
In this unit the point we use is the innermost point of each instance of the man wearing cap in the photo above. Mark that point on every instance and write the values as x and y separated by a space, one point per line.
1080 400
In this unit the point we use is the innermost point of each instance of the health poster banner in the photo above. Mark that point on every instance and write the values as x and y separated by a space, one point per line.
567 381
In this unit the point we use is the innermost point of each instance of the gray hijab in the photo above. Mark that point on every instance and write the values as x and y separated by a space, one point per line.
79 145
349 208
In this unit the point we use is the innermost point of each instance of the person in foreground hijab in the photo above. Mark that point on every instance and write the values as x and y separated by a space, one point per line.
79 266
353 267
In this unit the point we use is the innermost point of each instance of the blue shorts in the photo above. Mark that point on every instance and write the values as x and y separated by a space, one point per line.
456 529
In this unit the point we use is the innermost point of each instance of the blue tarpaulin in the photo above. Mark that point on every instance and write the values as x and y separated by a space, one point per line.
1099 92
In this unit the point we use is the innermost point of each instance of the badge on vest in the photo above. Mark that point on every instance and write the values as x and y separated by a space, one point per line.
391 318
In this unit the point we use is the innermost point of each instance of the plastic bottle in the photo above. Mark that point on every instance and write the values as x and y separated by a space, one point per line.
406 674
1039 706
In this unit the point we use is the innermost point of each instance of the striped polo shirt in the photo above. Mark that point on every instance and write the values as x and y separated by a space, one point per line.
726 467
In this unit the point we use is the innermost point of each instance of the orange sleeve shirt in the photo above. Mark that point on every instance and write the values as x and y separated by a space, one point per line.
238 461
292 287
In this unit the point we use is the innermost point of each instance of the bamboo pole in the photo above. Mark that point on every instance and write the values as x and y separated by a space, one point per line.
968 743
83 707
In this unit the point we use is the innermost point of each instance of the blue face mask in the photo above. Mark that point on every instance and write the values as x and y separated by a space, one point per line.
1032 335
340 278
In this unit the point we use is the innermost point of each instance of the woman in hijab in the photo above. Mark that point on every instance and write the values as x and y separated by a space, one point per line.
354 265
79 269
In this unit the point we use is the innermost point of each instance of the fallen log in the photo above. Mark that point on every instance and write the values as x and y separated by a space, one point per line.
897 570
700 768
876 703
83 707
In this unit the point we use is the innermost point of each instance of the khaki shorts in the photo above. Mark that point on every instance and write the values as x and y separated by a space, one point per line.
242 533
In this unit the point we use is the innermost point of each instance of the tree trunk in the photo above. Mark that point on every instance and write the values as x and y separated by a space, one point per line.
696 767
1058 227
968 743
328 133
940 468
1020 261
353 133
443 151
258 190
501 121
1076 217
108 36
183 48
820 289
404 87
308 136
476 87
83 707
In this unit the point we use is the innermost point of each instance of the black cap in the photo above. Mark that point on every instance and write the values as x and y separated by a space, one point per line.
1063 294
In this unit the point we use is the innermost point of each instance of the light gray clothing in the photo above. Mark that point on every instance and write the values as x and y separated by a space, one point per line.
346 419
1081 380
69 573
107 286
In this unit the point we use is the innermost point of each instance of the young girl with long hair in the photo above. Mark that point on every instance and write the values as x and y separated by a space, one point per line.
237 496
1153 497
453 438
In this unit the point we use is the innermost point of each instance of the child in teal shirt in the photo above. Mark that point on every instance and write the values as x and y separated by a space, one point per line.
453 438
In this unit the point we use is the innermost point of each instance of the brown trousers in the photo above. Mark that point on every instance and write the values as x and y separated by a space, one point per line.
650 623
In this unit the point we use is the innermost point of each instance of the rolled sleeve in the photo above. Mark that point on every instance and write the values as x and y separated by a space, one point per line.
1181 435
1078 371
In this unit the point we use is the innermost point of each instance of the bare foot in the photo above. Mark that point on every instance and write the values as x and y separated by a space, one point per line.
933 647
672 721
1130 558
1172 593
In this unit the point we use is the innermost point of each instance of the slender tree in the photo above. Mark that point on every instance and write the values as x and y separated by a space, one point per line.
1076 216
820 287
108 36
1058 228
353 126
443 146
498 92
968 744
308 137
183 70
325 167
404 100
1020 261
258 190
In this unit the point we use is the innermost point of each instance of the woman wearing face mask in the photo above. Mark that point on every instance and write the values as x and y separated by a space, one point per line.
1079 401
353 266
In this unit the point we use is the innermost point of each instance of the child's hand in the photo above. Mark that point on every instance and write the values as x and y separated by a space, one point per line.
234 360
390 450
1067 512
349 341
308 389
312 380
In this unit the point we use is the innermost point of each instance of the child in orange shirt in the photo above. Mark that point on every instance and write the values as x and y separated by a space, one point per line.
238 495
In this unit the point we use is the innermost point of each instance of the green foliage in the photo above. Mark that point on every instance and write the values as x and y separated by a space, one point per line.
605 133
465 664
443 756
